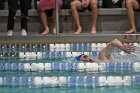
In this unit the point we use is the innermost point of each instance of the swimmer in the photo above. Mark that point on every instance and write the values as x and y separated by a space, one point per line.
106 53
84 57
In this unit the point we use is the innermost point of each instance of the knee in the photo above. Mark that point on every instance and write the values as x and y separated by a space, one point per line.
23 16
73 5
93 4
12 10
128 3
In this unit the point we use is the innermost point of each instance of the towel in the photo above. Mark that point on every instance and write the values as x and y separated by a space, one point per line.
48 4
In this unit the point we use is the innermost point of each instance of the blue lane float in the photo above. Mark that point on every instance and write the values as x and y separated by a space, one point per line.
77 81
44 55
73 66
52 47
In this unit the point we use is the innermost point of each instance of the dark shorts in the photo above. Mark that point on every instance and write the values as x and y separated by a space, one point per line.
139 6
138 1
82 10
49 12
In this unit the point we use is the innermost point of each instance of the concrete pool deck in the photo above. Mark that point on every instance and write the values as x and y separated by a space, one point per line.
66 38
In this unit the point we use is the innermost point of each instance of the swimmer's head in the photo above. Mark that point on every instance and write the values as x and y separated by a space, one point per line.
84 57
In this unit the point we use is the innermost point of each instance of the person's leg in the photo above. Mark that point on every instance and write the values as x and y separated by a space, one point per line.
76 4
2 4
130 5
12 7
54 21
43 17
24 6
93 5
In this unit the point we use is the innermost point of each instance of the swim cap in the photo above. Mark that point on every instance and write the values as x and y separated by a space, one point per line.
78 57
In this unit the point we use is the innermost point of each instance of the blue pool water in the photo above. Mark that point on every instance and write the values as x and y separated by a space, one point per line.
52 69
7 89
68 90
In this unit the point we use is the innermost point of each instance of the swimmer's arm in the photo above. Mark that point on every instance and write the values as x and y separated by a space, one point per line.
92 60
118 44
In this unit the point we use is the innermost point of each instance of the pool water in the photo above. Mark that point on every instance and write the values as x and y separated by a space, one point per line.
7 89
19 71
64 89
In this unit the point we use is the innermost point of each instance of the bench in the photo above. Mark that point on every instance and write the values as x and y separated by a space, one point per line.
110 21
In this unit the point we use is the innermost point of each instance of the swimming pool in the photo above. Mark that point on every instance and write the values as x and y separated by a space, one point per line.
41 68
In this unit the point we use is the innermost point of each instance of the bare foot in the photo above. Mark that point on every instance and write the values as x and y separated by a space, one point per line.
131 31
45 32
93 32
54 30
79 31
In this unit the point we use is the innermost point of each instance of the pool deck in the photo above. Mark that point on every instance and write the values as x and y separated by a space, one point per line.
35 38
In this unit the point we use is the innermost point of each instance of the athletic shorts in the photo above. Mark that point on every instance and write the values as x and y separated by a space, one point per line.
82 10
139 6
49 12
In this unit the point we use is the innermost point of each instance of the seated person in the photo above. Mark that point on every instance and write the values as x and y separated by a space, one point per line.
47 9
84 4
106 53
130 5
